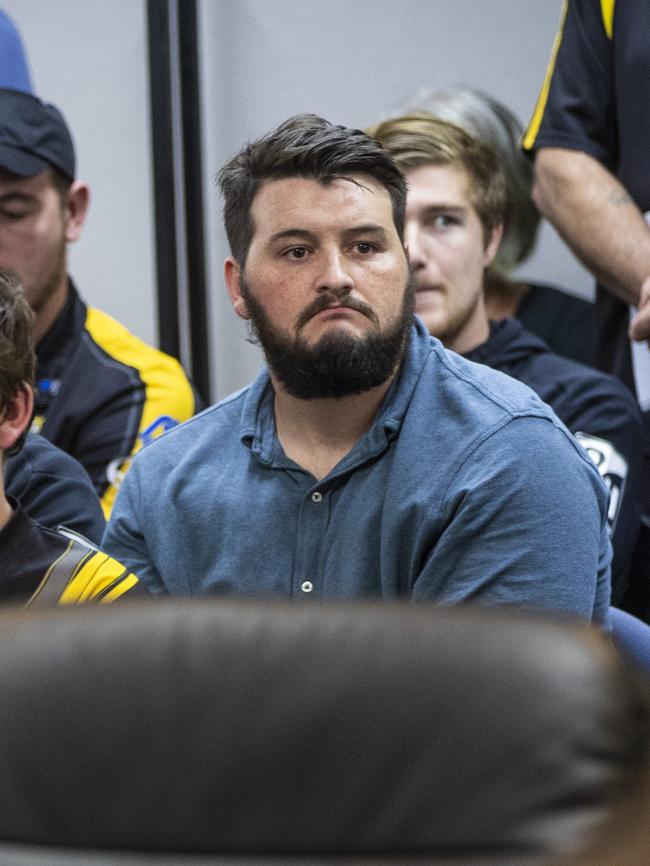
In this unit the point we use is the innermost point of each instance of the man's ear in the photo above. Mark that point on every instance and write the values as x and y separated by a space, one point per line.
76 208
15 416
492 245
232 276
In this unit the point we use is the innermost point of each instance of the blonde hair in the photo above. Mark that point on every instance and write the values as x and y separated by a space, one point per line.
492 122
420 139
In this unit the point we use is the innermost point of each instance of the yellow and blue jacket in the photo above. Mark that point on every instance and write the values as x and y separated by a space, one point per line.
102 394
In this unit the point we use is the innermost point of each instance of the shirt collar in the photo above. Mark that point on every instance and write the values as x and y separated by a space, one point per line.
257 429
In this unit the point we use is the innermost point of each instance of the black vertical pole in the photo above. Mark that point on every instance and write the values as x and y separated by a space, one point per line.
193 180
163 175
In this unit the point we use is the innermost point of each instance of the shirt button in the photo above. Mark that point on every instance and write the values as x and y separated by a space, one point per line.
306 586
316 497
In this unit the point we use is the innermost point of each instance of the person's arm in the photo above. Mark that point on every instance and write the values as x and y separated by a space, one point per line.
54 489
124 539
640 324
573 137
526 525
597 218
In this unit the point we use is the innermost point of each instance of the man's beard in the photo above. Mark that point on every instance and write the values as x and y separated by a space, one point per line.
338 364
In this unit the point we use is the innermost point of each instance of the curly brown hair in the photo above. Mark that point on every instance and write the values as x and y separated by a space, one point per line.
17 359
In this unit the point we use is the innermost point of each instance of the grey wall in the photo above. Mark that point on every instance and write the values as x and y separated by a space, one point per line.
262 60
350 62
89 58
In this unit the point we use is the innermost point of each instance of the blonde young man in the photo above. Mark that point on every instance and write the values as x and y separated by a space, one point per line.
454 223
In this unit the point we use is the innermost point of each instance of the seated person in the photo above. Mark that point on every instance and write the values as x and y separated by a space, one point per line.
454 219
101 393
39 566
565 323
53 488
365 460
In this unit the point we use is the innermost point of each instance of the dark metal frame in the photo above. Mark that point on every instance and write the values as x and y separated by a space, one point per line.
167 21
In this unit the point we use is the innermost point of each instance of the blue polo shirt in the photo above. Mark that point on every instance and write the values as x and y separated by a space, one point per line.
465 488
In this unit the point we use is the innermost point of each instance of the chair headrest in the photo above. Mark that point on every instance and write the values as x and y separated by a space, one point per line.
288 728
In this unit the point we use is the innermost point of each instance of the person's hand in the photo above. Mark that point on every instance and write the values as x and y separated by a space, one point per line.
640 324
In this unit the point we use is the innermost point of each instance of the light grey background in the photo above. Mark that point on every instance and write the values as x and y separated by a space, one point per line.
262 60
89 58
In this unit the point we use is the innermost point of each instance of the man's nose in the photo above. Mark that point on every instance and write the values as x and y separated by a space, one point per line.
417 259
334 275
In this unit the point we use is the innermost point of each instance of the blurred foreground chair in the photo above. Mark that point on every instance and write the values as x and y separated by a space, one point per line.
631 636
232 732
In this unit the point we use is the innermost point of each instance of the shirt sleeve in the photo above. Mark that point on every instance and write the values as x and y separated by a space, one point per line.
124 539
575 108
54 489
525 525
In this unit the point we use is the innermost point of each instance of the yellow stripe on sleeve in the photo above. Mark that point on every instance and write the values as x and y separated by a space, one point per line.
607 11
167 390
540 107
123 586
93 577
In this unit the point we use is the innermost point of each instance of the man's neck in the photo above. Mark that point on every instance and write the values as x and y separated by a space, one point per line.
49 312
6 511
473 333
503 296
317 434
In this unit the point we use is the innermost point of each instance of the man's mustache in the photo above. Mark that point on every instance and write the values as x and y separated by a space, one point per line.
322 302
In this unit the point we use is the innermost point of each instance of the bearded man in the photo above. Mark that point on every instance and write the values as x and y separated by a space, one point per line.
365 460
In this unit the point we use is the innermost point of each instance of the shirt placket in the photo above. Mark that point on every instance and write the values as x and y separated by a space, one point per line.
312 530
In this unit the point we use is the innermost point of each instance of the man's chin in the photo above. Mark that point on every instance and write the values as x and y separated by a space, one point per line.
338 337
337 317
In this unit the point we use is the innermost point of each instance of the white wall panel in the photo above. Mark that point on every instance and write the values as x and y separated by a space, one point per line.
89 58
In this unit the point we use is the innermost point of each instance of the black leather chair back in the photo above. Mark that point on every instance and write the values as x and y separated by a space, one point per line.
284 733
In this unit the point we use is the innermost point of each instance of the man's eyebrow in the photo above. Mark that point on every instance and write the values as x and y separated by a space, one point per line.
442 207
298 234
367 229
371 229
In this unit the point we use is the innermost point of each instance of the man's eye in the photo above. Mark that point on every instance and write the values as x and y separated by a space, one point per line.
444 221
12 214
296 253
364 247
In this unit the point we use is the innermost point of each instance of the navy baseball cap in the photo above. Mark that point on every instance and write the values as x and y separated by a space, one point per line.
33 136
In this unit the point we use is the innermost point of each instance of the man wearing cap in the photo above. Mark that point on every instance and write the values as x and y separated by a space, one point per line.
101 392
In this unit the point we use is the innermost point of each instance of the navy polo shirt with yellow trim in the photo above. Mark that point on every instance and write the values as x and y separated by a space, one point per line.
595 98
102 393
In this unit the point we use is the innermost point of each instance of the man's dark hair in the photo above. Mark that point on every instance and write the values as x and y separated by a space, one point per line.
17 360
303 146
